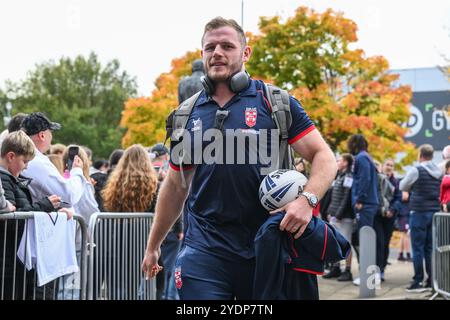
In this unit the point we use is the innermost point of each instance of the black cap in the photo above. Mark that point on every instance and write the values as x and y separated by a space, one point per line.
36 122
159 150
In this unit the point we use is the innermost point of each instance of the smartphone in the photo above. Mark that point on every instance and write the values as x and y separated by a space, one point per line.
64 204
73 151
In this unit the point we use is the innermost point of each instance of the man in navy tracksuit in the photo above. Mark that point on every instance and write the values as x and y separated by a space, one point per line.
221 203
365 197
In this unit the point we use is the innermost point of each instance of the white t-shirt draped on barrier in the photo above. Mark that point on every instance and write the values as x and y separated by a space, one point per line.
49 246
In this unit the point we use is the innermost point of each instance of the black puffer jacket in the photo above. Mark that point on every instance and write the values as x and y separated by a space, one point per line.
17 192
340 204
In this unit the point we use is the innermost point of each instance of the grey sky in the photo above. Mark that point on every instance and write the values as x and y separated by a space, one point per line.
146 35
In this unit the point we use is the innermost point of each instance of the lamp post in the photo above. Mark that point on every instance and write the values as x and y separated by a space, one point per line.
242 14
7 117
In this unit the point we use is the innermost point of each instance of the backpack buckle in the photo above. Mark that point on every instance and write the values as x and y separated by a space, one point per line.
221 115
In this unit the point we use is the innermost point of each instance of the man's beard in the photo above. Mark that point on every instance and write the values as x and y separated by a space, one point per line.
236 67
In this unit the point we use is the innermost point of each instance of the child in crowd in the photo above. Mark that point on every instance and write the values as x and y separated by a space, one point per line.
17 150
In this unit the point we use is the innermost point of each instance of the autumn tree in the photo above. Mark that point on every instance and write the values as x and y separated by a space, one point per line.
342 90
144 118
86 97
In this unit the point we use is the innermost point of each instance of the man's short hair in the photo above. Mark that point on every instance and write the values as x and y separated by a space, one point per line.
426 151
220 22
446 152
19 143
16 121
99 163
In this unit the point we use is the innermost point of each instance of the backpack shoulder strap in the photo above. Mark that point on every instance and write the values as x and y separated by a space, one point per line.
176 123
281 114
177 119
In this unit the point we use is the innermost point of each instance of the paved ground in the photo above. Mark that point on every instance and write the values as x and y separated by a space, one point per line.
397 277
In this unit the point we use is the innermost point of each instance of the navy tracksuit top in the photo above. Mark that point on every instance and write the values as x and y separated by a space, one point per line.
286 268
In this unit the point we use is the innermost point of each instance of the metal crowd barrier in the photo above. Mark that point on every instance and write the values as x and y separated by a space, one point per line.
441 255
16 283
116 247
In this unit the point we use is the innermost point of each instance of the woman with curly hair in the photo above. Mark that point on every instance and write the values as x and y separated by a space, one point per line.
131 187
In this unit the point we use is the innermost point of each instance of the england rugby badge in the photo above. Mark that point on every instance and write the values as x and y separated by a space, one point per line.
250 117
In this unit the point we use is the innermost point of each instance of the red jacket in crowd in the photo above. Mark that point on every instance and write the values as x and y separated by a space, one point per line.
445 189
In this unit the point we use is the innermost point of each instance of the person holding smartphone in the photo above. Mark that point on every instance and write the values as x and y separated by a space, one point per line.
46 178
86 205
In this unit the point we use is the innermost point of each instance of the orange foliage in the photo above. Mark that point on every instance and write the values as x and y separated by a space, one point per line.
343 91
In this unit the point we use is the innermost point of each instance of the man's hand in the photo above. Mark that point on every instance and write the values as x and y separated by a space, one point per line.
150 265
55 201
389 214
298 215
180 236
444 207
358 206
405 195
67 212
